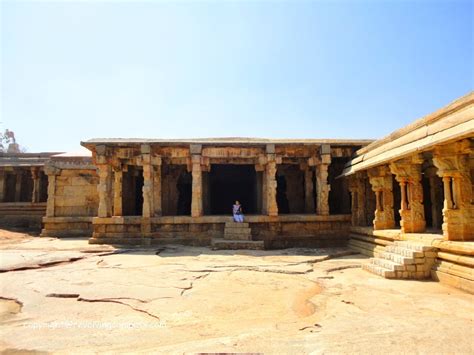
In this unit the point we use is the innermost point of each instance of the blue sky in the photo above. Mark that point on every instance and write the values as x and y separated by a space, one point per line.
74 70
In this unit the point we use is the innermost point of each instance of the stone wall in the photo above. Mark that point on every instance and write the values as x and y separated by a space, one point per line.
76 193
276 232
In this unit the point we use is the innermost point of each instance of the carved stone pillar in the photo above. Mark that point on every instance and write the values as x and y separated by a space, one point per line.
51 172
357 190
408 174
272 205
381 181
148 179
260 188
454 163
157 186
2 185
118 186
196 202
436 193
322 186
104 189
19 175
36 184
308 188
354 199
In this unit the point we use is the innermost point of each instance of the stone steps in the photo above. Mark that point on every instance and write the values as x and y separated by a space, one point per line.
236 225
219 243
403 260
379 270
239 233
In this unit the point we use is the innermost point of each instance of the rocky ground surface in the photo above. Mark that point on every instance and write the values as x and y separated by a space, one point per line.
68 296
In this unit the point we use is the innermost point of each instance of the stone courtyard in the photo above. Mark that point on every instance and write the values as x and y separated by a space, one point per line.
65 295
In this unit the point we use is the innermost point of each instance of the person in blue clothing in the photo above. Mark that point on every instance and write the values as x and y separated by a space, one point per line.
237 212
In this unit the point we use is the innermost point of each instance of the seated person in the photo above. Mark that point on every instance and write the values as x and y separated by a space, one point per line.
237 212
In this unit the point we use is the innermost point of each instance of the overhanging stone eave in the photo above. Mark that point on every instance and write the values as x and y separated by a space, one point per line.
461 131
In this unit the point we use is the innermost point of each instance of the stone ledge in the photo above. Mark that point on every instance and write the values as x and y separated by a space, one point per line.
66 219
221 219
454 281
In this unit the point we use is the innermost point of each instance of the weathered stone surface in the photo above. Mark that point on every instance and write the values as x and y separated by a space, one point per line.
185 299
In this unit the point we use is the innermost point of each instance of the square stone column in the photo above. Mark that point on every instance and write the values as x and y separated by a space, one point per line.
308 188
436 191
453 163
358 197
381 181
272 206
196 201
51 172
408 174
105 190
322 186
270 191
157 200
148 181
2 185
118 186
19 175
36 184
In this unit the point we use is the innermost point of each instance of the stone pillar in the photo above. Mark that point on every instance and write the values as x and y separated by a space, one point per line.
453 163
272 205
51 172
381 181
435 196
196 202
148 182
260 188
408 174
308 189
157 186
264 191
357 190
19 175
104 189
322 186
271 183
2 185
354 199
118 186
36 184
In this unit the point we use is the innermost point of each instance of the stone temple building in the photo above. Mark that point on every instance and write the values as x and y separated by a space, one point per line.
406 200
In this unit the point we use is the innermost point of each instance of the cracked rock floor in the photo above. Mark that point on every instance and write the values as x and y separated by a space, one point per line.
66 296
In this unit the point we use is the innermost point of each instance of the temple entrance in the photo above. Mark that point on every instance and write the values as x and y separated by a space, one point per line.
290 189
227 183
132 191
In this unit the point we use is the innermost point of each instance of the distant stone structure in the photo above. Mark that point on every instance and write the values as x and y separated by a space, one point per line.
407 200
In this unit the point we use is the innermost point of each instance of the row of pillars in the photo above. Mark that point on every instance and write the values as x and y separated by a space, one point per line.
36 177
109 176
451 164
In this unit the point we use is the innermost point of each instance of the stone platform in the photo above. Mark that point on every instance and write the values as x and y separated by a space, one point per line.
453 262
273 231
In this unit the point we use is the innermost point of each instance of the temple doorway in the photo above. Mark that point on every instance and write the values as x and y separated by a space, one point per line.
229 182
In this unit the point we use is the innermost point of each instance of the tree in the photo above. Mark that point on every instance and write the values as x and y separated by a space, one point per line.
8 143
